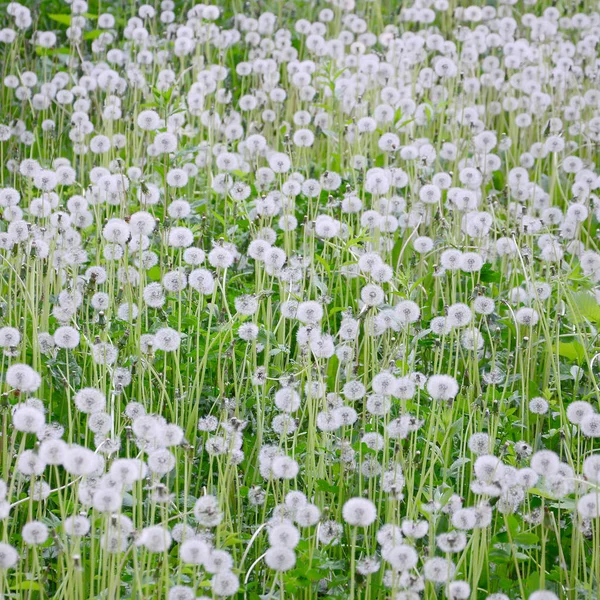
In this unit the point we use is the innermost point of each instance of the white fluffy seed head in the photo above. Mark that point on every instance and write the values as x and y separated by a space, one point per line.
359 512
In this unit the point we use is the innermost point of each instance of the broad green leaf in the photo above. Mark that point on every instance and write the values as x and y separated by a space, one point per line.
584 308
64 19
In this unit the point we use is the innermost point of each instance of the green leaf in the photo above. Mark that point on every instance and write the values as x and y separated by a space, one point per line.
64 19
584 308
540 493
331 134
313 575
323 262
456 427
28 585
325 486
498 180
456 466
533 582
92 35
571 350
51 51
499 556
526 539
489 275
219 218
154 274
513 525
443 499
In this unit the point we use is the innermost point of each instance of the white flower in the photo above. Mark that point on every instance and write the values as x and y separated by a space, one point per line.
359 512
